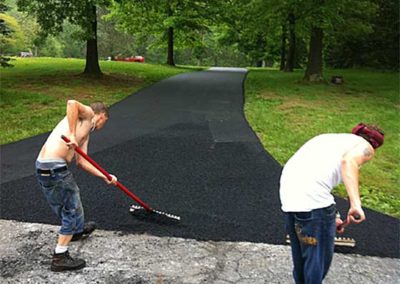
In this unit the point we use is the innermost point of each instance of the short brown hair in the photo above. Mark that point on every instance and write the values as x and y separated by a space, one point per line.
99 107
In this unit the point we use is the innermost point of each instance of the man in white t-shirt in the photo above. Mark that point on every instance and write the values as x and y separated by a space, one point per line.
305 192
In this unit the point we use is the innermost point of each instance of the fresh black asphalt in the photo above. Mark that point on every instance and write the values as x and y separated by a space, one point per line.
183 146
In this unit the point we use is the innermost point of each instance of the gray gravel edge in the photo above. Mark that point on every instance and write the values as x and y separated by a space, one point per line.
115 257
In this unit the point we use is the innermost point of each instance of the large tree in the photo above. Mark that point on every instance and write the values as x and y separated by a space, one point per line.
286 12
165 22
291 54
51 16
322 18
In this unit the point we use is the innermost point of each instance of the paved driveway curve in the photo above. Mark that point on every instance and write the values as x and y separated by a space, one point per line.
183 146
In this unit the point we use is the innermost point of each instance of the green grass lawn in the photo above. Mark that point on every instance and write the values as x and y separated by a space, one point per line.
34 92
285 112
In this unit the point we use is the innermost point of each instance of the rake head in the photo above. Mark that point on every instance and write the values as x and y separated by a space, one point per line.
153 215
345 242
339 241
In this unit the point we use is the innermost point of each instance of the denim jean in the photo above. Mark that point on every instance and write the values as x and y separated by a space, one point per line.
62 194
312 238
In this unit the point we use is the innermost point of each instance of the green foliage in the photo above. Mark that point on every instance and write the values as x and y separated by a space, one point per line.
349 46
149 21
51 47
285 113
235 32
6 34
247 24
51 15
112 42
71 45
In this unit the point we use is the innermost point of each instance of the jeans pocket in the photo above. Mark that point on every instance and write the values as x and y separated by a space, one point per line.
70 184
330 211
46 182
303 216
306 228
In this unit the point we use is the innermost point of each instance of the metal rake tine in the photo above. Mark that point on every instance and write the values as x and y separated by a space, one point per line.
168 215
343 241
136 207
339 241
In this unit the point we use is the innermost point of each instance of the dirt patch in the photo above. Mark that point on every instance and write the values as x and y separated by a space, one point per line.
325 101
111 79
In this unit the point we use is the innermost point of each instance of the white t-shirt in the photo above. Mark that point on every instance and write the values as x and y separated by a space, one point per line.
310 174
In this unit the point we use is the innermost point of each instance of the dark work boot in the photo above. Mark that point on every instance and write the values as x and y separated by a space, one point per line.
88 229
63 261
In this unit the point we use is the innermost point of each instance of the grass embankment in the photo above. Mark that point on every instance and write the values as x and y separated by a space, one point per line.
34 92
285 112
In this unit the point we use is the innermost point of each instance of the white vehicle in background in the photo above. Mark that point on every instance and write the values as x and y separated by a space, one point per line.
25 54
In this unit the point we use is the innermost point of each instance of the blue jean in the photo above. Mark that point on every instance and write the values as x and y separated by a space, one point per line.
62 194
312 238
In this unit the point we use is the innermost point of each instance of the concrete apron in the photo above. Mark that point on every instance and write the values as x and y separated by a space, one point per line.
116 257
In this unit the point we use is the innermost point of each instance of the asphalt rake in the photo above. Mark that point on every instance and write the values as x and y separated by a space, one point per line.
143 211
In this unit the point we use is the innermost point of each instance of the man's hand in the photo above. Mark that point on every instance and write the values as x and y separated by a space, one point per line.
355 215
112 181
339 226
72 142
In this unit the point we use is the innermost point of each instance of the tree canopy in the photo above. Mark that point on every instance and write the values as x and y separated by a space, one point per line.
288 34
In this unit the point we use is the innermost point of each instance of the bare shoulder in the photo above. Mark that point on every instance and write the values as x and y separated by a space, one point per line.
362 152
368 151
84 111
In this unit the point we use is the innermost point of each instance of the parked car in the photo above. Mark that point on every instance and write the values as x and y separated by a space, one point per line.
130 59
25 54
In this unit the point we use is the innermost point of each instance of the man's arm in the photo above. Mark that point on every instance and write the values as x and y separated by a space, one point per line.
350 165
85 165
76 111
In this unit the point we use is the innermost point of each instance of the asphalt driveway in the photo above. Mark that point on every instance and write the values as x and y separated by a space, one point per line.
182 145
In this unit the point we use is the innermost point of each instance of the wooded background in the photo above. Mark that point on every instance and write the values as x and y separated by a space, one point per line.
288 34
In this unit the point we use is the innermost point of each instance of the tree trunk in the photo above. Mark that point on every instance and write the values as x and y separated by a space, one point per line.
283 47
260 50
92 67
314 65
259 63
170 59
291 56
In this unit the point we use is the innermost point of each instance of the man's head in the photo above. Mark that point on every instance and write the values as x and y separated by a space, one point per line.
371 133
101 114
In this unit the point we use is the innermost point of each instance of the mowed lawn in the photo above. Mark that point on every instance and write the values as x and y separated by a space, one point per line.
285 112
282 110
34 92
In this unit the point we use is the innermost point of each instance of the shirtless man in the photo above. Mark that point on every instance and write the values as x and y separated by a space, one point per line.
57 182
305 192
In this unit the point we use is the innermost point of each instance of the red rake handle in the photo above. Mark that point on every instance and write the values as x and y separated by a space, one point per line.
108 176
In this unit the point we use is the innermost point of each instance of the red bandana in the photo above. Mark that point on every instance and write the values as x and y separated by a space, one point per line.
374 137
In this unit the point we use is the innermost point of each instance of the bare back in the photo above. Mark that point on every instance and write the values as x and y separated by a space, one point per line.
56 148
